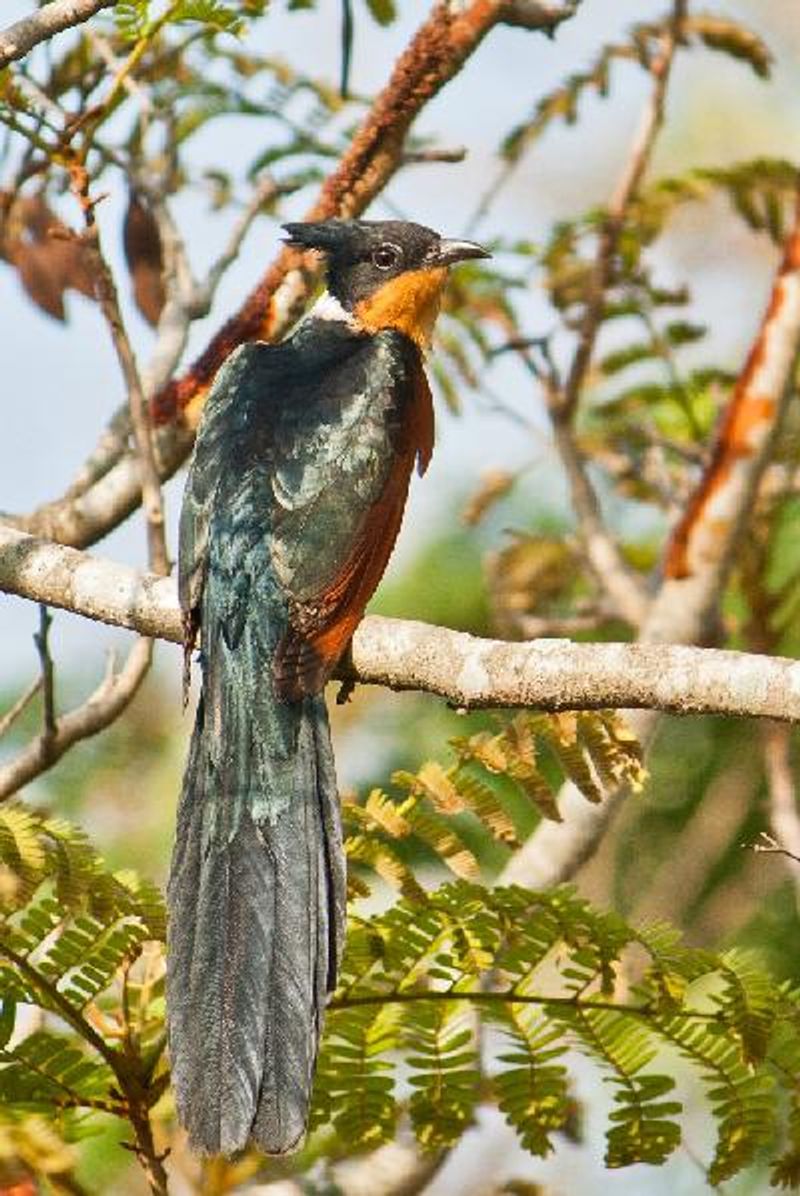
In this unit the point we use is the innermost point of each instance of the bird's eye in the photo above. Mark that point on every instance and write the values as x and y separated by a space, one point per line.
386 256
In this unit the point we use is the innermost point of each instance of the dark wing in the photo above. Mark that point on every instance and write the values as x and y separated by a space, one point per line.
221 439
340 487
331 422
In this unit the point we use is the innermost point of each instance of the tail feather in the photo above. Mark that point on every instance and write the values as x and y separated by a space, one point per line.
256 900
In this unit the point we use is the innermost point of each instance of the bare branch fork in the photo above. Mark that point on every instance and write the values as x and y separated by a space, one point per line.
467 671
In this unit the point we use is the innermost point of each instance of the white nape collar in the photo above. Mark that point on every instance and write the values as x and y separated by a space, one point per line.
328 307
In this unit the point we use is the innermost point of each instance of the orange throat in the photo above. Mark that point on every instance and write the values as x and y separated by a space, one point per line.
409 303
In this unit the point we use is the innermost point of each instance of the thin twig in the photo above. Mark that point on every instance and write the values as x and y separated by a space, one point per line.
100 710
111 444
615 578
13 713
784 815
90 119
415 157
623 194
767 845
152 500
623 589
42 641
132 86
510 997
266 190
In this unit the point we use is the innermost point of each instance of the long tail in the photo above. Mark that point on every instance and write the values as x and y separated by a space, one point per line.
256 902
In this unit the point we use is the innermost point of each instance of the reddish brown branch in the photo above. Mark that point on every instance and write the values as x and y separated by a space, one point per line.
703 538
83 518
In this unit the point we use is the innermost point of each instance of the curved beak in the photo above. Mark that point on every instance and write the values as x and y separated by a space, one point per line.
448 252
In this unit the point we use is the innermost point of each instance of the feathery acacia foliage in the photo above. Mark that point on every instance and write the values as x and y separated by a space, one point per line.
529 755
453 997
70 933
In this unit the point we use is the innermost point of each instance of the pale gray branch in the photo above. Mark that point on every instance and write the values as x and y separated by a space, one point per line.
467 671
614 576
22 36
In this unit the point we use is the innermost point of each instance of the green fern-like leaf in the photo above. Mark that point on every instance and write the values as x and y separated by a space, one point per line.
132 18
214 14
354 1087
531 1089
742 1099
570 747
383 859
444 1072
71 933
642 1130
672 966
747 1003
46 1071
418 984
21 852
484 803
543 967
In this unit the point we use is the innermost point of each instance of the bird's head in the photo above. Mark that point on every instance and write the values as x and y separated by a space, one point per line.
385 273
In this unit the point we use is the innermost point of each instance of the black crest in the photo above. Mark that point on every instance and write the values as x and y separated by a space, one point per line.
362 255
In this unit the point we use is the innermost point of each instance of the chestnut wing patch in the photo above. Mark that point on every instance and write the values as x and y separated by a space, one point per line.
354 518
321 628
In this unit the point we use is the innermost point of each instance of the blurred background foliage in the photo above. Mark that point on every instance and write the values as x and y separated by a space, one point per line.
490 544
